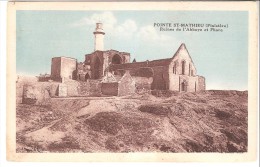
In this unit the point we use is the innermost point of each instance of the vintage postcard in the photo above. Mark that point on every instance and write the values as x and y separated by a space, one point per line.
132 81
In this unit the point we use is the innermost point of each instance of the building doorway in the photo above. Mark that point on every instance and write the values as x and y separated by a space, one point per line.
184 86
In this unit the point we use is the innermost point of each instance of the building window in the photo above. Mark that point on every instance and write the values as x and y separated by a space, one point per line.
174 68
191 72
183 67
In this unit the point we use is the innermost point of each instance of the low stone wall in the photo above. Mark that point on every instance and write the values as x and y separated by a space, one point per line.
143 83
201 83
90 88
110 89
164 93
126 85
73 87
30 90
84 88
35 95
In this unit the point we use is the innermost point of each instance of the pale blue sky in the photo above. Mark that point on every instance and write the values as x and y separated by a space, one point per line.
219 56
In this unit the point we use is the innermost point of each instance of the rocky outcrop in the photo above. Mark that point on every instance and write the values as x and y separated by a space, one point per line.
35 95
208 121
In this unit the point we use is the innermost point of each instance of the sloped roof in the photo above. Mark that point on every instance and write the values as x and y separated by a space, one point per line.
153 63
183 46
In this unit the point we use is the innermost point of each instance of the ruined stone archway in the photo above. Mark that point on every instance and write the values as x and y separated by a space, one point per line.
116 59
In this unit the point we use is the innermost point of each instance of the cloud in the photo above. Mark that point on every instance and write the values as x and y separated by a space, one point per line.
149 33
107 18
126 30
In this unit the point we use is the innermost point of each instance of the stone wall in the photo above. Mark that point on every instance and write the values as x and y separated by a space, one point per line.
143 83
158 73
160 77
56 68
84 89
126 85
190 82
63 67
158 69
201 83
124 57
110 89
35 95
176 68
52 88
20 82
36 92
62 90
34 87
72 87
118 86
193 84
95 61
90 88
142 72
83 72
68 67
174 82
99 61
176 65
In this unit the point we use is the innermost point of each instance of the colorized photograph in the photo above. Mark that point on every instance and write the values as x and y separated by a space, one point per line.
131 81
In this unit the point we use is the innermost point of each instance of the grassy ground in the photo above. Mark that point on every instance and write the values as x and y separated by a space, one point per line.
210 121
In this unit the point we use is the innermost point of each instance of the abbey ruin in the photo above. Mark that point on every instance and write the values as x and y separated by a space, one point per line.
112 73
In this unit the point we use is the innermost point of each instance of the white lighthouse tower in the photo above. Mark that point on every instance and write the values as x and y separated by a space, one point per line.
99 37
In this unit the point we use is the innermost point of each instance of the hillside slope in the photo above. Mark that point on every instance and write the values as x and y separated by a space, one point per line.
209 121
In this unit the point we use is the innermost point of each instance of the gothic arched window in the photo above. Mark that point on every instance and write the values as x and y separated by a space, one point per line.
174 68
183 67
